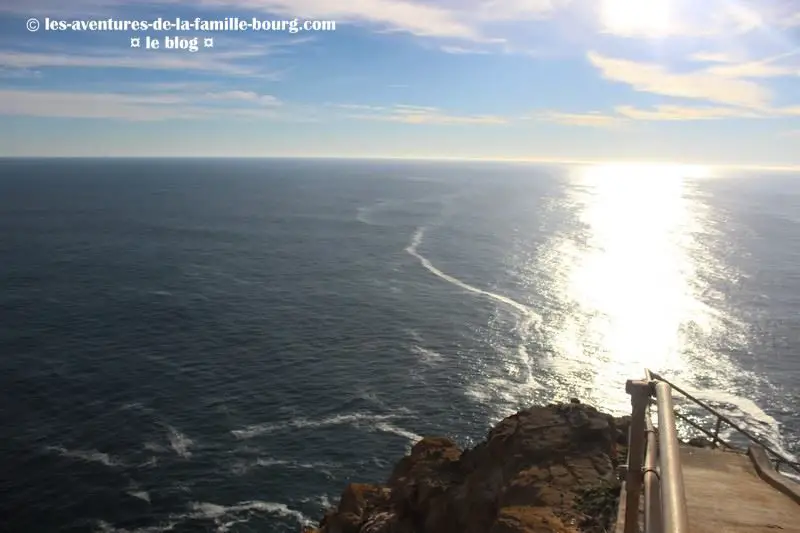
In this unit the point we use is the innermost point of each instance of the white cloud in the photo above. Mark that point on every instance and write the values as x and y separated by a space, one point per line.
360 107
136 107
412 114
755 70
770 67
712 57
221 62
460 50
700 85
400 15
244 96
594 119
672 18
173 104
741 18
18 73
681 113
89 105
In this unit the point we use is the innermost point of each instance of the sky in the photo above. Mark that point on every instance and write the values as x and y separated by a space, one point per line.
708 82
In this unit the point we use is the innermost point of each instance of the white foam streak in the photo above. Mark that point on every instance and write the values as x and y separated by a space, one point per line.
90 456
206 510
243 467
411 249
426 355
389 428
752 413
153 447
105 527
508 390
179 442
371 421
364 214
140 494
745 405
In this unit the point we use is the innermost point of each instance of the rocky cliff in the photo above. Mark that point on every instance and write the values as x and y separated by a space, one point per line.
542 470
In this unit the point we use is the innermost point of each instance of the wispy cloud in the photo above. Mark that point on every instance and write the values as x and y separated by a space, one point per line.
244 96
770 67
595 119
19 73
137 107
712 57
412 114
460 50
698 85
674 18
244 61
684 113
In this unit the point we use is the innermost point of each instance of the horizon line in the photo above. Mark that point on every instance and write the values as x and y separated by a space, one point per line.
554 161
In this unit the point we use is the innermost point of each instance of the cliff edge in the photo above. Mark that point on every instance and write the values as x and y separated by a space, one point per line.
548 469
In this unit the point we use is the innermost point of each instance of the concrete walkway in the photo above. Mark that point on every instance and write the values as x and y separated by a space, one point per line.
724 494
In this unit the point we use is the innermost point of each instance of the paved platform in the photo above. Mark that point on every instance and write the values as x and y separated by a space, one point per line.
724 494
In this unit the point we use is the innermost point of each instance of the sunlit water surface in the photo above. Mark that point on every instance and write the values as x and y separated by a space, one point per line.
222 345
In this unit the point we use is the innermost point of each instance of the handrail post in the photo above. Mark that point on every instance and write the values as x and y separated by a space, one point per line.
673 495
640 396
652 487
716 431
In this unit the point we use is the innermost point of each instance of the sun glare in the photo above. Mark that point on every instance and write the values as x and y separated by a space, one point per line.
652 17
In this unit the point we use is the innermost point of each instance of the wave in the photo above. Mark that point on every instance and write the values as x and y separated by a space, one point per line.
179 442
323 501
140 494
154 447
243 467
427 355
395 430
89 456
527 319
364 214
747 414
372 422
224 517
411 249
105 527
213 511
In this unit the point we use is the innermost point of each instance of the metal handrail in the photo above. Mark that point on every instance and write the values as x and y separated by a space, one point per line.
779 458
665 507
654 464
673 495
652 486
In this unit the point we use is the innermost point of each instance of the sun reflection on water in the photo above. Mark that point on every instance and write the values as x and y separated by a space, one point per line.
627 276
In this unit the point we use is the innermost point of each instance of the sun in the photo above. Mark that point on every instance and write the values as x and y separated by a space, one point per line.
638 17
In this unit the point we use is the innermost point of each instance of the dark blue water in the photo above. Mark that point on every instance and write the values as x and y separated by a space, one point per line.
222 345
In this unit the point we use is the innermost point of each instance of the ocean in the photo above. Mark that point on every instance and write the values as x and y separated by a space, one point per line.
221 345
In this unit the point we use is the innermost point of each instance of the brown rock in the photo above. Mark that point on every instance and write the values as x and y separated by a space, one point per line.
359 501
529 476
521 519
424 475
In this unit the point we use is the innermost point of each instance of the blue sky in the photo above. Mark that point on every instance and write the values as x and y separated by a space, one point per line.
716 81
